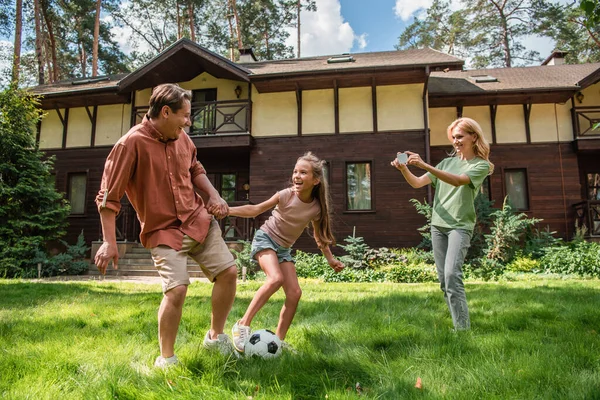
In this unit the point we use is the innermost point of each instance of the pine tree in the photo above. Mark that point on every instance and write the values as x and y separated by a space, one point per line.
32 212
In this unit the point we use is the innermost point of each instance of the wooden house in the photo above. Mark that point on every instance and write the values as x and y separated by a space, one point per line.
251 120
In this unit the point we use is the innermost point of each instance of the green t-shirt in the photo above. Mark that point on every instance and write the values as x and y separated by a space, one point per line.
453 207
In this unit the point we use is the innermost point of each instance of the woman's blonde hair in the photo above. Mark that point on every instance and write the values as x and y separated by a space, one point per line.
481 147
323 235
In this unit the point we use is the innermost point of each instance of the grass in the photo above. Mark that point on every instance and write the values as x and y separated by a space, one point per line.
97 340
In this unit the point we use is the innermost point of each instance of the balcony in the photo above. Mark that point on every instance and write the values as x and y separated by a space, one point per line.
213 118
584 121
587 216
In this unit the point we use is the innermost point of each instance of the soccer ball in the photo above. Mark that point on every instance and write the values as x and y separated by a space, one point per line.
263 343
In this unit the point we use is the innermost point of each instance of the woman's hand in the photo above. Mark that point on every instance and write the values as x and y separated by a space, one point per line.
415 159
397 165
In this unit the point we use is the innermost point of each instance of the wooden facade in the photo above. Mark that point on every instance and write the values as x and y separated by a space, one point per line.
252 121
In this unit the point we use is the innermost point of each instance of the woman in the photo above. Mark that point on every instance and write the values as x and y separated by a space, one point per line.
457 180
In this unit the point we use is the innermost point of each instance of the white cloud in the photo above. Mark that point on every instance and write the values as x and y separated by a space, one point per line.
405 9
325 32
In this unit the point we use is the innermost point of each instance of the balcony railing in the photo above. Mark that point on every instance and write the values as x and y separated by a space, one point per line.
212 118
587 214
584 120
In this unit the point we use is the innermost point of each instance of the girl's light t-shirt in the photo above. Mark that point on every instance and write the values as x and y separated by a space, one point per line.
290 217
454 206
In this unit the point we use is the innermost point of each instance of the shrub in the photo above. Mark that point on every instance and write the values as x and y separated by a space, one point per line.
309 265
523 264
411 273
507 229
354 275
582 258
356 249
243 259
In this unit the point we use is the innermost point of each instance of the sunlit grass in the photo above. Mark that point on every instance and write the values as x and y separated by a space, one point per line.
97 340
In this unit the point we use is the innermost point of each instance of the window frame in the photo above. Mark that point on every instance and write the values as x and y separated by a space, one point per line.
372 186
527 180
85 194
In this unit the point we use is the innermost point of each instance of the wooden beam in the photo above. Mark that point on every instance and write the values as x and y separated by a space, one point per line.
459 112
299 108
493 110
527 114
94 118
65 125
374 103
336 107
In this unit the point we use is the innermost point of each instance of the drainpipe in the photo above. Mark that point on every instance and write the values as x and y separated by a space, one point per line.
426 127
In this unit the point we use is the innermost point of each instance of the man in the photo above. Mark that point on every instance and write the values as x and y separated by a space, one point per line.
155 165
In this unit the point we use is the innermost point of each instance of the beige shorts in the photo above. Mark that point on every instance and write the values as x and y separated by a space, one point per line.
213 256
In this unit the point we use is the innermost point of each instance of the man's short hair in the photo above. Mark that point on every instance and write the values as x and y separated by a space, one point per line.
167 94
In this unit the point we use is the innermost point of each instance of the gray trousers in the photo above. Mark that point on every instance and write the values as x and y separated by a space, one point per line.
449 250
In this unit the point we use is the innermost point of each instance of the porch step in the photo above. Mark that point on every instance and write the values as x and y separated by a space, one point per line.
137 261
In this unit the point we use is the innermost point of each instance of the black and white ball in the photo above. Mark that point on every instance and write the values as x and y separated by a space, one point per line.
263 343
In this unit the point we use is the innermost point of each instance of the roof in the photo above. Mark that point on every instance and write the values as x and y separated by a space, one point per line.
540 78
98 83
374 60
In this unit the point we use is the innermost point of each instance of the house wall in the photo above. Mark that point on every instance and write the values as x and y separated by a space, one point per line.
274 114
393 222
225 87
318 112
356 110
546 123
551 170
400 107
112 122
79 128
51 130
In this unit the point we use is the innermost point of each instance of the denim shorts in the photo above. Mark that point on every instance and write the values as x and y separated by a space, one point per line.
262 241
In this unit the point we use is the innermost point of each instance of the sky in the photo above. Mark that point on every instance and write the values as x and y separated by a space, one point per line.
358 26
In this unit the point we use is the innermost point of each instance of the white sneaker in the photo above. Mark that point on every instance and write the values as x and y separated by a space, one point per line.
240 335
162 362
221 343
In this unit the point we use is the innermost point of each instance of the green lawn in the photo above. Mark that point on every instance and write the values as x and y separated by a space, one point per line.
97 340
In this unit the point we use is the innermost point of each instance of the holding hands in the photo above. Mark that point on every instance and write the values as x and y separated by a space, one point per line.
217 207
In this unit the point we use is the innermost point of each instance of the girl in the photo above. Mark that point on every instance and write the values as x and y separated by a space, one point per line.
457 180
307 200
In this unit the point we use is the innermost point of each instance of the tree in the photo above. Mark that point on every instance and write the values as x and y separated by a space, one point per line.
308 5
440 29
18 32
571 31
488 33
96 38
32 212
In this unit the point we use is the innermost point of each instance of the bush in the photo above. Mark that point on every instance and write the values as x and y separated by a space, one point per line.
582 258
411 273
309 265
523 264
243 259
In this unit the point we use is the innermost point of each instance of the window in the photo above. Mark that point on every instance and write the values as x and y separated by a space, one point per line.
228 187
485 188
77 192
203 111
515 184
593 186
358 186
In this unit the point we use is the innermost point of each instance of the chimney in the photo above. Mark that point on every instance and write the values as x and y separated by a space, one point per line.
556 58
247 56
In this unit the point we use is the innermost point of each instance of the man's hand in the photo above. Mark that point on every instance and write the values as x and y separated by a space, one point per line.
337 265
106 252
217 207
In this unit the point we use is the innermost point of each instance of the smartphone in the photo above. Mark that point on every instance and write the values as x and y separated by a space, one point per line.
402 158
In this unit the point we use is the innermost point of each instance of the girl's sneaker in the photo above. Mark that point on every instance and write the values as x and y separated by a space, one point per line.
162 362
221 343
240 334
